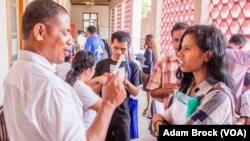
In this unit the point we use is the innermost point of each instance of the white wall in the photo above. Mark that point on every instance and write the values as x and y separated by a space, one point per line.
4 59
65 3
77 10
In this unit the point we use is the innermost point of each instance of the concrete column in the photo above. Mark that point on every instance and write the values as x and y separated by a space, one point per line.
201 12
156 20
136 25
123 15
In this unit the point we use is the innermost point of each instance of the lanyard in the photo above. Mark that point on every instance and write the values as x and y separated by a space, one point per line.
129 69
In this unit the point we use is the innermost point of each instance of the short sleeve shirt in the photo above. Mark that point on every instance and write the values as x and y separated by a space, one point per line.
121 116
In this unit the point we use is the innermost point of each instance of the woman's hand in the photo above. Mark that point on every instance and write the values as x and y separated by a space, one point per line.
157 120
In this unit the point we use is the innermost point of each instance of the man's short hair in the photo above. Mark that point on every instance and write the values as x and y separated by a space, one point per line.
40 11
121 36
91 29
179 26
79 31
238 39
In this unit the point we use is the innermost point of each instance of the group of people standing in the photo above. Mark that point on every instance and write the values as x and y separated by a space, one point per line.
38 105
90 41
208 67
205 65
87 75
91 102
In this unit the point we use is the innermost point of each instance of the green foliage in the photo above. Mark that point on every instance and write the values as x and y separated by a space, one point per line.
146 9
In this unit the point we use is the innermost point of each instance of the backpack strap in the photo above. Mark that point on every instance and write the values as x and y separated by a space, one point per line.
231 99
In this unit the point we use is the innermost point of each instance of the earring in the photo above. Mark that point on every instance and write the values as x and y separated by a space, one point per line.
39 37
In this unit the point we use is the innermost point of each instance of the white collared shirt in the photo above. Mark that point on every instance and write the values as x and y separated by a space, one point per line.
88 98
38 105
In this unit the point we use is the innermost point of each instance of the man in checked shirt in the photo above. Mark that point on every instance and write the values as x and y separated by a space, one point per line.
163 81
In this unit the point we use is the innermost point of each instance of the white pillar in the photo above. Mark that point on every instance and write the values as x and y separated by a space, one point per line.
136 25
156 21
201 12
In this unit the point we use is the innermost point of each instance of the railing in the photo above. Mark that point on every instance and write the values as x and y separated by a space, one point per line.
3 130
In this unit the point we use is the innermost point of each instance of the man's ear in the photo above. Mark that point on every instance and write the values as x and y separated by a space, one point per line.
38 31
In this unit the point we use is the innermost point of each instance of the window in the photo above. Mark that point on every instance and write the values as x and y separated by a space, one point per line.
89 19
14 18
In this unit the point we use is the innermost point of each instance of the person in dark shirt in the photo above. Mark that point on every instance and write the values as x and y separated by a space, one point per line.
119 129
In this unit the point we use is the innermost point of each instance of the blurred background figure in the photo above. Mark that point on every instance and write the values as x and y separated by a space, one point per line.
94 43
140 59
80 40
245 100
239 62
151 55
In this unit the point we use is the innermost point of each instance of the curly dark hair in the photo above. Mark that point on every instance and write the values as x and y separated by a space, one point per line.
82 61
208 37
40 11
179 26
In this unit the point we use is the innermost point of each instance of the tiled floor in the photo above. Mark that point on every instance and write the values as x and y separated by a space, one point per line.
144 134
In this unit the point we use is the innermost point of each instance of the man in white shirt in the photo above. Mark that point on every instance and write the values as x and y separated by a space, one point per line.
80 40
38 105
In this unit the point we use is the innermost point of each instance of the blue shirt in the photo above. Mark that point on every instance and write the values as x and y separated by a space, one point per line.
95 45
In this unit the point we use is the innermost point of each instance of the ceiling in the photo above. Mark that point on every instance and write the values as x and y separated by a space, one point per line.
83 2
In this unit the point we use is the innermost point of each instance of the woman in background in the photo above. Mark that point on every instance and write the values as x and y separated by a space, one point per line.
151 55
